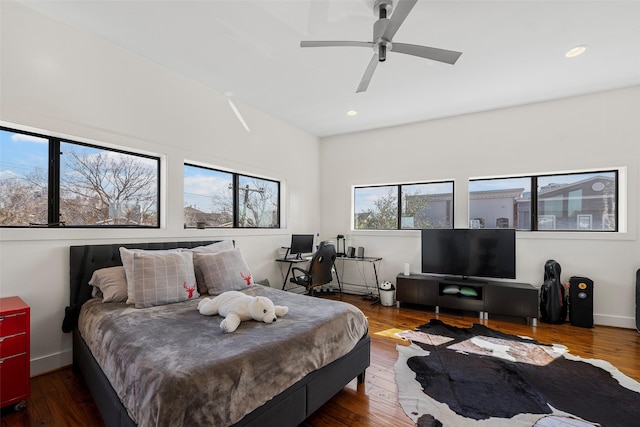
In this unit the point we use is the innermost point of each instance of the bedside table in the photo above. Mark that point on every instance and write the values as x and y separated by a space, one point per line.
14 352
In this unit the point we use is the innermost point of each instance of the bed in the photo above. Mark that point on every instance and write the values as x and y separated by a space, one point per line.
252 390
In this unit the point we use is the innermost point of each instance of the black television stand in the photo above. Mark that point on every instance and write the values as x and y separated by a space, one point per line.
464 279
501 298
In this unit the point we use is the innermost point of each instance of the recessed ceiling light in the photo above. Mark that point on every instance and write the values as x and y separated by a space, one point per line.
352 113
578 50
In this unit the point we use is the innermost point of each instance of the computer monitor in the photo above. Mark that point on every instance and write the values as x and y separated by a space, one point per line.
301 244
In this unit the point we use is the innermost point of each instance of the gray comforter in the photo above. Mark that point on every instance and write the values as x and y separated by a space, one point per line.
171 366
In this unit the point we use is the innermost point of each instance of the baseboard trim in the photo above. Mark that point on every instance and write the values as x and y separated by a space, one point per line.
615 321
44 364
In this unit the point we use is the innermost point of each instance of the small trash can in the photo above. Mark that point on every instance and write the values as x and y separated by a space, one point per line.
387 293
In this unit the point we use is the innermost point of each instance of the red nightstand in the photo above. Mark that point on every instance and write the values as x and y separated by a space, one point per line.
14 352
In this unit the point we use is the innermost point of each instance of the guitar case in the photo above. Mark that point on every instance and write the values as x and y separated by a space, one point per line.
638 300
553 302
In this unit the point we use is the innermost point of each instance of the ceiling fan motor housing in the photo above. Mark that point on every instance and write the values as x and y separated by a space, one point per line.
382 6
380 45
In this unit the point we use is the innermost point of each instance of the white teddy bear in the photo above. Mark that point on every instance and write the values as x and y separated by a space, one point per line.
235 307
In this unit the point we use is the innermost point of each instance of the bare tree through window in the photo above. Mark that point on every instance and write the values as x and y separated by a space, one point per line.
224 199
101 187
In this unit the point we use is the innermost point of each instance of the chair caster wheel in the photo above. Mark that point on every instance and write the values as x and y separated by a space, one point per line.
20 406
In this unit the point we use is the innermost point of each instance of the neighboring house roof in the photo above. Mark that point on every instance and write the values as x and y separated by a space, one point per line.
210 218
551 190
510 193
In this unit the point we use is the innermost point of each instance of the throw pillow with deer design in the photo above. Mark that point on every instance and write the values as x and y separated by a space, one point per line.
224 271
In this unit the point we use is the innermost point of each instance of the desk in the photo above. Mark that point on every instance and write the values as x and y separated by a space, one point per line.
372 261
291 262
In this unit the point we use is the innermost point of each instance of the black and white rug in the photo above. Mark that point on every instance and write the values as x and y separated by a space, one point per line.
477 376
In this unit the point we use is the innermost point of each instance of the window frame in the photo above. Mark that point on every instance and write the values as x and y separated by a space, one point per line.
235 180
399 201
54 160
535 215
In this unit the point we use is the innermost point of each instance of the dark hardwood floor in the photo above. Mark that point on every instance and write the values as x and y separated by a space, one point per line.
60 398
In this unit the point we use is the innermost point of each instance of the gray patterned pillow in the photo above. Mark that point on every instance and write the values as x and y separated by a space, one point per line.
163 278
224 271
213 248
158 276
127 262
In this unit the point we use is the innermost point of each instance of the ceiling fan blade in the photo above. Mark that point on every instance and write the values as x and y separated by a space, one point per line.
435 54
368 74
399 14
335 43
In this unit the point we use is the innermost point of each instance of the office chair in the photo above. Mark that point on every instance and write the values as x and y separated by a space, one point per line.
319 269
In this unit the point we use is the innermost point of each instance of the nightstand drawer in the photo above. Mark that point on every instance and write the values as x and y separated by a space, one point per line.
13 344
14 352
12 324
13 371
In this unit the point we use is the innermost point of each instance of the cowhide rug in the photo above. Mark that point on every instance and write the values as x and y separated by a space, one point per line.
477 376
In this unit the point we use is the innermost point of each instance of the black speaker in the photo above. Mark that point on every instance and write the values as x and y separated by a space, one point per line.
351 252
581 302
360 252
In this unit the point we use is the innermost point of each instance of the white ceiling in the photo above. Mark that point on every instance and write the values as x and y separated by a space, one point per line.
513 53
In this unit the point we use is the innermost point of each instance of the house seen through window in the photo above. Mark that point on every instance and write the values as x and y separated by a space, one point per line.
581 201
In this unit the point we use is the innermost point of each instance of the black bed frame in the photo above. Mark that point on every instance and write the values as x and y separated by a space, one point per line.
289 408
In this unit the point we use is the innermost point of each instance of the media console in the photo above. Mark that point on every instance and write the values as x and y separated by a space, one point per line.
501 298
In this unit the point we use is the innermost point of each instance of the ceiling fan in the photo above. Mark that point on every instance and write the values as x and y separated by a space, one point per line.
383 31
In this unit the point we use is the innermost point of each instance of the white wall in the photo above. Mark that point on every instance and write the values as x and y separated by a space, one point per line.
597 131
54 78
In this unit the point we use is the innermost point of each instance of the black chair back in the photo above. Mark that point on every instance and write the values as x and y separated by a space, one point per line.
321 264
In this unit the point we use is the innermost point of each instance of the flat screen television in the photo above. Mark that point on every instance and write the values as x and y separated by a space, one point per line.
481 252
301 244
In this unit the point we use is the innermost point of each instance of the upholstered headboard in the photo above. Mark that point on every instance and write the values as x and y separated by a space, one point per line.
84 260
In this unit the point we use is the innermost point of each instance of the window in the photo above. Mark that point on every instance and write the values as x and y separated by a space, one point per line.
208 197
404 206
214 198
24 185
258 202
49 181
493 202
376 207
580 201
585 201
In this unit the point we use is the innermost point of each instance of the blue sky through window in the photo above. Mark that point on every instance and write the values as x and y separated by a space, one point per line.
21 154
201 185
